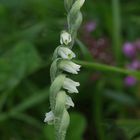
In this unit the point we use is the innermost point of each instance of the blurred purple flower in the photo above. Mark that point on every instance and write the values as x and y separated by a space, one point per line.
90 26
130 81
129 50
135 65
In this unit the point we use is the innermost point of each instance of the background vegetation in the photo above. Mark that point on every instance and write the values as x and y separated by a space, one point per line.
107 107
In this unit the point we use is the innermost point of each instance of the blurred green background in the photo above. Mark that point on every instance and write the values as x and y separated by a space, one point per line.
107 107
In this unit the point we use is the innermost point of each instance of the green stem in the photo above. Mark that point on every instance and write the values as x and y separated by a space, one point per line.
97 110
104 67
117 38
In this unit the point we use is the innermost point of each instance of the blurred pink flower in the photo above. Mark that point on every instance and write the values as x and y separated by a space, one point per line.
90 26
134 65
130 81
129 50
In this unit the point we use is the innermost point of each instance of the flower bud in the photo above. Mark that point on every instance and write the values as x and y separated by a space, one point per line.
70 85
65 38
49 117
69 66
66 53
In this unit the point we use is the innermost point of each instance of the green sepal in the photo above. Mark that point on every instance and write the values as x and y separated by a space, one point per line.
55 54
75 24
54 69
55 88
60 103
74 17
65 121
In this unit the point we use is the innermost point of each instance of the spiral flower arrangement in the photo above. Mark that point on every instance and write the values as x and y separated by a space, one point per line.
62 65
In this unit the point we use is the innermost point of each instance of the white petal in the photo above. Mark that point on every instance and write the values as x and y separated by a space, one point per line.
63 55
69 101
66 53
76 83
75 66
73 90
70 85
73 82
70 88
69 66
70 69
49 117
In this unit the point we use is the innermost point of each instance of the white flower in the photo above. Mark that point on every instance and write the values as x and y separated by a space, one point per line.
66 53
65 38
69 66
70 85
69 102
49 117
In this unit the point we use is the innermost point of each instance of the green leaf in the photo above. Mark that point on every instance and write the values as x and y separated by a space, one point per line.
39 97
28 120
33 100
131 127
77 127
121 97
28 34
15 65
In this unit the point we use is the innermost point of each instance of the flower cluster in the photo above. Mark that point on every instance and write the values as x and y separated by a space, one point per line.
131 50
65 64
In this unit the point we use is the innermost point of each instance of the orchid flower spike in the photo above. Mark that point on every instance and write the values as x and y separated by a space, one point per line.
60 101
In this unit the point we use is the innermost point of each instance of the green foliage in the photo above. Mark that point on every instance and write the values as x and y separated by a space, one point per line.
20 61
29 33
131 128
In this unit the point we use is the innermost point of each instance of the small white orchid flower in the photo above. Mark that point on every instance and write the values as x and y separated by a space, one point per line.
66 53
69 66
65 38
69 102
49 117
70 85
